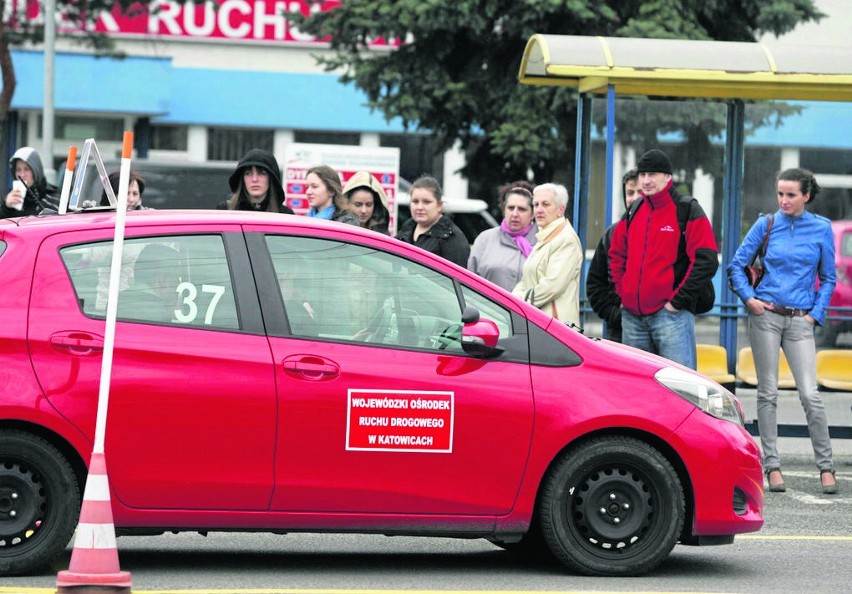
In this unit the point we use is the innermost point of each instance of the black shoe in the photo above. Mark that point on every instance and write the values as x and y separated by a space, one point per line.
828 489
777 487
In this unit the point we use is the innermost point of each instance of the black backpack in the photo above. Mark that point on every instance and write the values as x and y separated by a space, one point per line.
707 293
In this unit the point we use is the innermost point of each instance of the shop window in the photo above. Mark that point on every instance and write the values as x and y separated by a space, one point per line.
79 127
169 138
230 144
311 137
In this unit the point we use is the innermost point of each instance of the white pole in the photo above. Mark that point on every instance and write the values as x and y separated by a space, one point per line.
48 114
112 299
66 180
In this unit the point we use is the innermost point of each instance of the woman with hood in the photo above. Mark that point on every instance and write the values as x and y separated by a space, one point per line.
256 184
367 199
36 194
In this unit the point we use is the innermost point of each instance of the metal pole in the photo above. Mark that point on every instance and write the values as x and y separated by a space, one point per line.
581 182
47 114
732 206
610 151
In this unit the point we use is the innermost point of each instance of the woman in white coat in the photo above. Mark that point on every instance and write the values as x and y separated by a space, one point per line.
551 276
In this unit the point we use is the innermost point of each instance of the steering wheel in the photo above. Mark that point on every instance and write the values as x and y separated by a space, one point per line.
378 327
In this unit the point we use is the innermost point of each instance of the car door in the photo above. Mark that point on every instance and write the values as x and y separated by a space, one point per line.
380 409
191 420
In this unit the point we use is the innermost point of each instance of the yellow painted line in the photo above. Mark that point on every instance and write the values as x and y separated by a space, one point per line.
759 537
338 591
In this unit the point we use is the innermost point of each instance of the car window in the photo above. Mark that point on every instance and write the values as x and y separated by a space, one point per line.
340 291
489 310
173 280
846 245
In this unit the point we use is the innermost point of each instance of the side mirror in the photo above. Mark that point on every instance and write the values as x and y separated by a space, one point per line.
479 336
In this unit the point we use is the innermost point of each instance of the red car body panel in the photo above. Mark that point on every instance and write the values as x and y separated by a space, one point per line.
239 430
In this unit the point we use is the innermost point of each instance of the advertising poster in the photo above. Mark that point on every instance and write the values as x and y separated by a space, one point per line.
381 162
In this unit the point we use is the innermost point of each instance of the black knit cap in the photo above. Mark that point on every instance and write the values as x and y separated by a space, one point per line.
654 161
263 160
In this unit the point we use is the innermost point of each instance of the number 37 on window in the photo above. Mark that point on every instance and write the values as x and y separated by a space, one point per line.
189 307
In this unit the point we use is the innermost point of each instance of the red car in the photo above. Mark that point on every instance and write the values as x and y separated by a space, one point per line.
276 373
840 307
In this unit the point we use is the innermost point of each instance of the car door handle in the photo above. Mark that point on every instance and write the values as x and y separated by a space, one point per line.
311 367
78 343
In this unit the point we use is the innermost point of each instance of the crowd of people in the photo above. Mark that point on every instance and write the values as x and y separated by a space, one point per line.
644 280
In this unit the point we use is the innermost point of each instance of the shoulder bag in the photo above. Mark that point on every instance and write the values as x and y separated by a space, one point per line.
754 270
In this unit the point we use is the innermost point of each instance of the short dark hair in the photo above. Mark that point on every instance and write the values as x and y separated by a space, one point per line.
428 183
113 182
521 187
806 179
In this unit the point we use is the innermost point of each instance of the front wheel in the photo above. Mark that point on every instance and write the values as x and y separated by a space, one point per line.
612 507
39 502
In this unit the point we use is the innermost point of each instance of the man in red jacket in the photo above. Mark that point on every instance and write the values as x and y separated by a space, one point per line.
657 271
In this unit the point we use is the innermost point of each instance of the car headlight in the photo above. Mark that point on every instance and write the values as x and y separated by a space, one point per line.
703 393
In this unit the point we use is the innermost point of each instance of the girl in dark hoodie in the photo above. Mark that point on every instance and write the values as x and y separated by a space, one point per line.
256 184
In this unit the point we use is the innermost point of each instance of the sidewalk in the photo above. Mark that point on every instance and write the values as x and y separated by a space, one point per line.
838 408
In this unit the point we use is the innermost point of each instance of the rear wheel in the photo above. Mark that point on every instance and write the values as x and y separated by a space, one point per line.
39 502
612 507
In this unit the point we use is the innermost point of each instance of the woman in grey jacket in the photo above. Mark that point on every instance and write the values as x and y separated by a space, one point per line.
499 254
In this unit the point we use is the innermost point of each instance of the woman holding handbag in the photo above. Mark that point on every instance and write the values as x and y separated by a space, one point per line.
783 308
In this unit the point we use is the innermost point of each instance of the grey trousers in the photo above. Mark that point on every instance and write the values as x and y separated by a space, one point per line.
767 332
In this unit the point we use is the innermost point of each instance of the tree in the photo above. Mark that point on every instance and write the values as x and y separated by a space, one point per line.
455 73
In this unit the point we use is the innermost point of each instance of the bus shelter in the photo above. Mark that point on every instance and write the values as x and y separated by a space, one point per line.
732 72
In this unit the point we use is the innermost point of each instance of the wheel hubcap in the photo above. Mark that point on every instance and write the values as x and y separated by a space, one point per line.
22 504
612 508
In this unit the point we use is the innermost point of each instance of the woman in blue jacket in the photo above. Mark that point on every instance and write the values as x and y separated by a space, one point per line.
783 310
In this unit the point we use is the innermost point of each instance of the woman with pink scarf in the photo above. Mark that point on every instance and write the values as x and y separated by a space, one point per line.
499 254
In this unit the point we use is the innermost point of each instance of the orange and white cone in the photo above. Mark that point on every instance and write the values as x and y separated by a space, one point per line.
94 559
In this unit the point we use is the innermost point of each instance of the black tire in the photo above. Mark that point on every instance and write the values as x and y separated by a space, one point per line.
39 503
612 507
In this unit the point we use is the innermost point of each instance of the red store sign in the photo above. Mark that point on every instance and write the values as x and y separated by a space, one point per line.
226 20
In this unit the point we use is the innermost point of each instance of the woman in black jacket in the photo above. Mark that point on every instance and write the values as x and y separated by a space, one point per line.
429 228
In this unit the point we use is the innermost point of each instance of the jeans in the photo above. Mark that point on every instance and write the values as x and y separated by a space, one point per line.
767 333
670 334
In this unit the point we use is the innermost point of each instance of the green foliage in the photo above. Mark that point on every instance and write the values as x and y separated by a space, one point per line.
455 75
17 30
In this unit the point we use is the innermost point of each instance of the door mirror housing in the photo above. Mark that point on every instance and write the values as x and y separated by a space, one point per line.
479 335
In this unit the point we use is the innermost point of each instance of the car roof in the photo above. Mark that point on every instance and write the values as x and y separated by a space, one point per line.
95 219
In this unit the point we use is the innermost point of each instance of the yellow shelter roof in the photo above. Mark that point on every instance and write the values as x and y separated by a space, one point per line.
686 68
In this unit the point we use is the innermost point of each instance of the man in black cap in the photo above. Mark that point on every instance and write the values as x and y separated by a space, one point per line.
660 262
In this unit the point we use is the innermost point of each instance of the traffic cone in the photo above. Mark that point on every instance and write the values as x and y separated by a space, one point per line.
94 559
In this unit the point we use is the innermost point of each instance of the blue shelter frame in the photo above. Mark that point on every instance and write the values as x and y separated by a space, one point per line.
729 71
